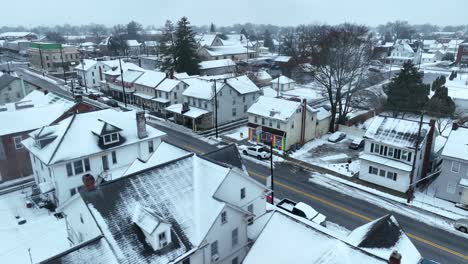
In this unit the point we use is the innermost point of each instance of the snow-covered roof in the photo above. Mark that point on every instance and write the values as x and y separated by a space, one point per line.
165 152
282 58
457 144
386 162
146 218
151 78
242 84
283 80
167 85
39 98
125 67
275 108
181 191
206 39
27 119
195 112
212 64
130 76
87 44
286 239
381 237
133 43
181 75
88 64
16 34
227 50
200 88
322 113
263 75
80 128
396 131
310 95
111 63
428 55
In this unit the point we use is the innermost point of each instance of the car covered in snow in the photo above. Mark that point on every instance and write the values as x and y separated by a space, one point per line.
259 152
303 210
462 225
357 143
336 137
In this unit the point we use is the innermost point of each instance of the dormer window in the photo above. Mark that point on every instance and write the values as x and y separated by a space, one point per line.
162 240
155 228
111 138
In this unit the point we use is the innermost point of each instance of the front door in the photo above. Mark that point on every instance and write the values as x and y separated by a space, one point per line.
464 196
105 163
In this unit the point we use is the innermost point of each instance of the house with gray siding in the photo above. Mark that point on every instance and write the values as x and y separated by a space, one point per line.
452 183
13 89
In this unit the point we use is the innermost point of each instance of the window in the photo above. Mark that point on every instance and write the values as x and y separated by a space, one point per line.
242 193
292 125
114 157
253 97
47 57
72 191
78 166
214 248
392 175
69 169
150 146
17 141
86 164
278 124
404 155
245 108
235 237
175 95
382 173
234 112
223 217
255 119
243 99
18 95
270 123
94 81
92 74
167 97
105 162
206 105
263 121
409 155
373 170
455 166
250 208
162 239
48 65
390 152
235 261
233 100
111 138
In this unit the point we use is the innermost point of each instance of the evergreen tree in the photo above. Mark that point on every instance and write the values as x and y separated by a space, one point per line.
185 48
435 84
243 32
440 104
166 47
212 28
406 92
268 41
133 30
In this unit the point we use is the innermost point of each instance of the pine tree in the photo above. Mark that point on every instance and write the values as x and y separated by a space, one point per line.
166 47
268 41
440 104
212 28
406 92
185 48
243 32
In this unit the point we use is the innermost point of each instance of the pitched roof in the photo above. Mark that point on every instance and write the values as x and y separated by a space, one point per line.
6 79
227 50
242 84
206 39
275 108
132 43
79 128
88 64
283 80
381 237
181 191
151 78
212 64
200 88
167 85
457 144
227 155
395 131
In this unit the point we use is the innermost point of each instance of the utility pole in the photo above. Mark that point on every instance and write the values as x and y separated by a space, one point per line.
271 171
215 107
63 65
123 85
30 257
411 187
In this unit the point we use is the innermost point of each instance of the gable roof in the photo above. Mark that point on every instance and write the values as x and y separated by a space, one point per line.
88 64
167 85
227 50
80 128
381 237
151 78
275 108
212 64
242 84
200 88
283 80
6 79
206 39
132 43
395 131
180 191
227 155
457 144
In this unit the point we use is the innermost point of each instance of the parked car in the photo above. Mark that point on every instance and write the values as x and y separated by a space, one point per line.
462 225
94 96
303 210
103 99
357 143
257 151
78 90
336 137
112 103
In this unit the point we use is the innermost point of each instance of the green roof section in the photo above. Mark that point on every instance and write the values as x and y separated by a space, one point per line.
45 46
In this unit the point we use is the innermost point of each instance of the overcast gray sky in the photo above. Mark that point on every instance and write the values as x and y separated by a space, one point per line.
220 12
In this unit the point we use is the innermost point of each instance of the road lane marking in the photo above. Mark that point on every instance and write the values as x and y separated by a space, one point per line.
368 219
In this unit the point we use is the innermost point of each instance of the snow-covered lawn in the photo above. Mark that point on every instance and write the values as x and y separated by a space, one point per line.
332 156
236 133
389 202
43 234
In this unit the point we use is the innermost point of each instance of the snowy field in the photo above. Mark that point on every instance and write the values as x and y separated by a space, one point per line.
388 202
43 233
332 156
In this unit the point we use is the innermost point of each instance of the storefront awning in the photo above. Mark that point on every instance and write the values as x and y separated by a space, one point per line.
144 96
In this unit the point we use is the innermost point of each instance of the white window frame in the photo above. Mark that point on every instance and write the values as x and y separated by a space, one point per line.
16 143
224 217
458 167
110 141
162 239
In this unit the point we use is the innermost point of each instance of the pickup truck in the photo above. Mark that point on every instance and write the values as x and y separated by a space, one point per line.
303 210
257 151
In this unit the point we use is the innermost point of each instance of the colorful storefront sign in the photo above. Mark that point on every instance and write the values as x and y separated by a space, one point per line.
259 136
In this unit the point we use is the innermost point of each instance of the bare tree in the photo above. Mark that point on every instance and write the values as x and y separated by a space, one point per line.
98 31
339 60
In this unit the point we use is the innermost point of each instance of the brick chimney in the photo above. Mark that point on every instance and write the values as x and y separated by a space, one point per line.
141 124
395 258
89 182
454 125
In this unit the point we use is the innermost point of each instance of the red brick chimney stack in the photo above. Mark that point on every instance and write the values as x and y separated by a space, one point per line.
395 258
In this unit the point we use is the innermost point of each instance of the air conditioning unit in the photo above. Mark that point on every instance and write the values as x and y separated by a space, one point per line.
214 258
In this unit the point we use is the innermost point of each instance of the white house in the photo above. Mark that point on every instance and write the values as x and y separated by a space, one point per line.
168 92
92 72
145 87
133 47
102 144
283 83
402 52
389 152
188 210
215 67
285 122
